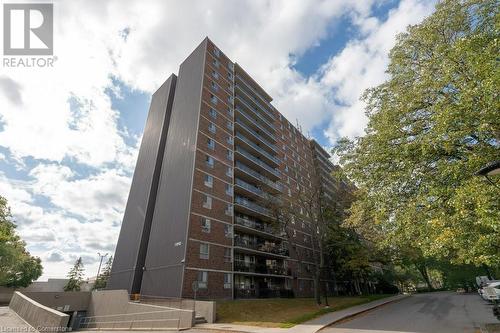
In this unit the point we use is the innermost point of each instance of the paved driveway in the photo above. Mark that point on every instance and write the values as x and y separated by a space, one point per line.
441 312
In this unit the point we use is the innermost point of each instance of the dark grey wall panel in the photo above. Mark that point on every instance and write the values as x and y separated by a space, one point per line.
167 242
134 234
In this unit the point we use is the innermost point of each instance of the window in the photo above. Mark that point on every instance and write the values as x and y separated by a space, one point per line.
229 210
228 231
229 112
229 172
210 161
216 52
213 113
229 125
213 99
230 65
215 87
229 140
230 75
202 280
207 203
230 99
205 225
211 127
294 233
229 190
215 75
216 63
229 155
204 250
211 144
227 281
209 181
227 254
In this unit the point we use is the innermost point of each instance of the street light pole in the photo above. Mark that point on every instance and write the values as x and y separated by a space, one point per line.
100 263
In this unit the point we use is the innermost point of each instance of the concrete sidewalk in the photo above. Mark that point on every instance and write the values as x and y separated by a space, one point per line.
310 326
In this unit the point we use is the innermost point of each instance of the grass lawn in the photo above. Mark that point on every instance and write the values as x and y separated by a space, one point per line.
282 312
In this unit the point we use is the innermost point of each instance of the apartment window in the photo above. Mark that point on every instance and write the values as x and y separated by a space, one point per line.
209 181
227 254
215 75
207 203
227 281
229 112
229 172
229 155
215 87
229 190
213 99
216 63
204 251
213 113
212 128
230 75
230 65
211 144
205 225
286 168
202 280
230 99
229 140
229 210
228 231
210 161
305 239
229 125
294 233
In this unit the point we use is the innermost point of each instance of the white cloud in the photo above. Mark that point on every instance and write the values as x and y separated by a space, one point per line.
362 64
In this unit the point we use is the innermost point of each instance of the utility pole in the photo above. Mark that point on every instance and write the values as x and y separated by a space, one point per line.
102 256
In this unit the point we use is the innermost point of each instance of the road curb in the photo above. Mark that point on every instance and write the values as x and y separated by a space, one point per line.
347 316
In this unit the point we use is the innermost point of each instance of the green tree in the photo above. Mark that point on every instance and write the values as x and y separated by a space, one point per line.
102 280
432 125
75 276
17 267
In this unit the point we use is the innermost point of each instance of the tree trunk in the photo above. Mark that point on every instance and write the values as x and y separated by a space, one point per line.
422 268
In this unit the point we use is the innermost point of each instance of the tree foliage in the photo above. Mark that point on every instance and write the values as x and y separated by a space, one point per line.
102 280
432 125
75 276
17 267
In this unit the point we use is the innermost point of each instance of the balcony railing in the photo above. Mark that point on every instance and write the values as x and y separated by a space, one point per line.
256 135
254 100
257 175
253 121
257 161
243 266
249 107
260 246
250 188
252 205
257 148
257 226
255 92
263 293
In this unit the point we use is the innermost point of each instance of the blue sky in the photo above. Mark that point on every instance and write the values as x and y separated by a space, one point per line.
69 135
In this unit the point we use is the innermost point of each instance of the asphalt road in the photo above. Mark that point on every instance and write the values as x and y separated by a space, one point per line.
439 312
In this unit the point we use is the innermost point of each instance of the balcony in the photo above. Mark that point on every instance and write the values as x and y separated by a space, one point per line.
243 266
271 186
250 190
260 245
258 226
252 207
264 166
244 89
255 112
268 145
262 293
252 121
257 149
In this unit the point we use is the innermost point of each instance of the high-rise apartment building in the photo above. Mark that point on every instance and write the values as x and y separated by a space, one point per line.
214 151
